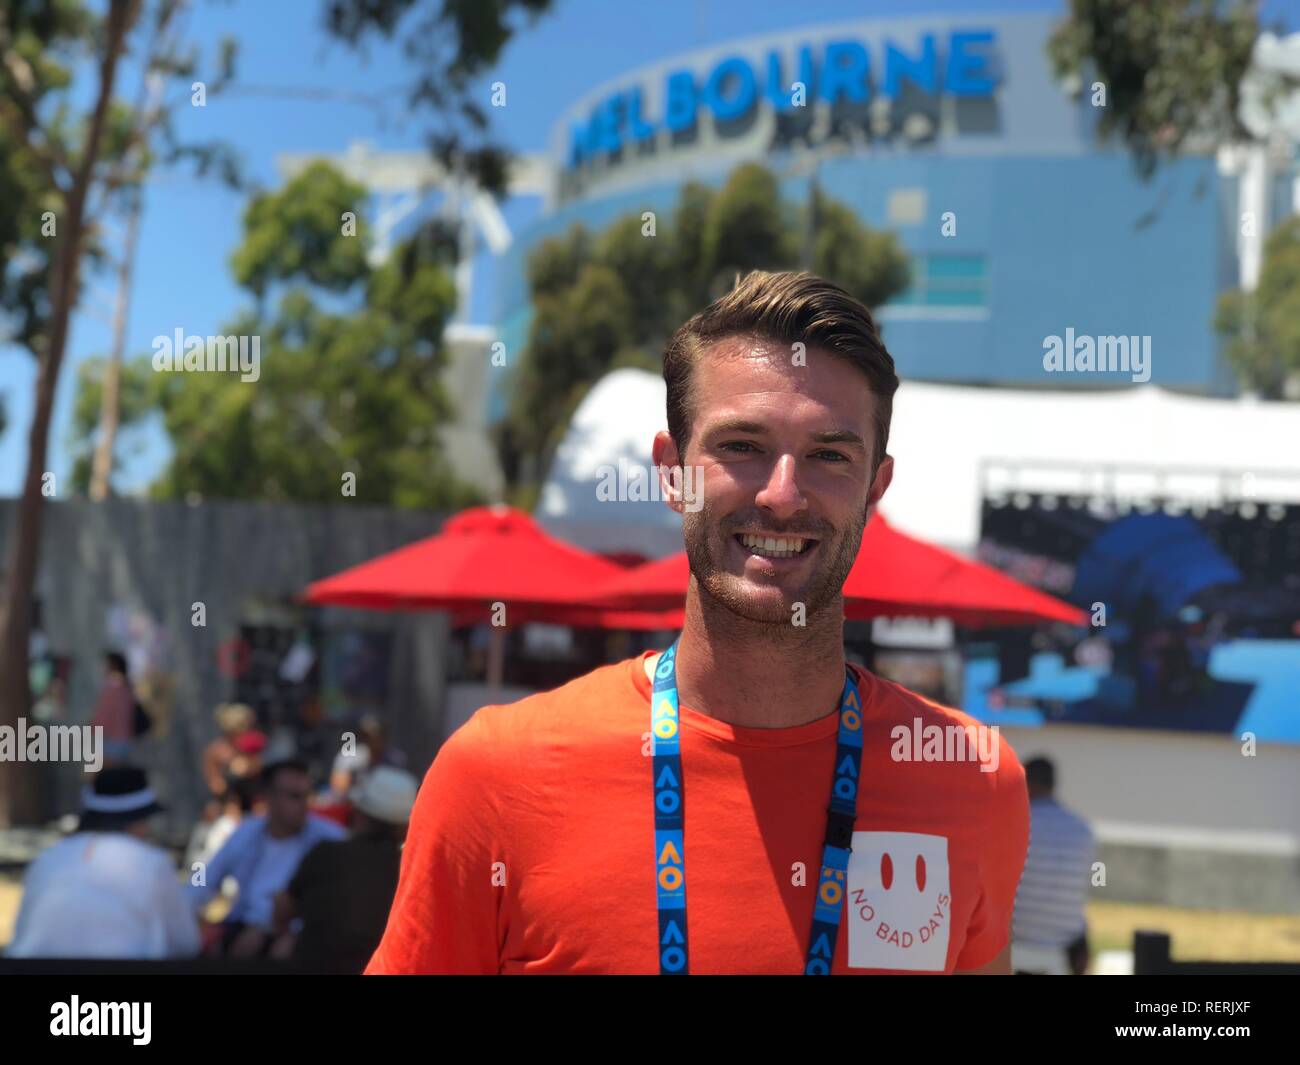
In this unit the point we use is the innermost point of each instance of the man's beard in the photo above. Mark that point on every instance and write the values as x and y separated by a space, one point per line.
708 538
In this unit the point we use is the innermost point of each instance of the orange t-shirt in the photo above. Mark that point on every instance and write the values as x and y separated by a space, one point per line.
531 845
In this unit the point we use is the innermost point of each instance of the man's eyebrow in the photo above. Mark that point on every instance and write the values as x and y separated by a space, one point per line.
840 436
752 428
737 425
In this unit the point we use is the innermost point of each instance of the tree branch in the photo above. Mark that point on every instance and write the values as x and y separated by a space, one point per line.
18 108
148 103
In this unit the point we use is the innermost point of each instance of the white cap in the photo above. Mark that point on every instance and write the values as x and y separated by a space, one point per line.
386 794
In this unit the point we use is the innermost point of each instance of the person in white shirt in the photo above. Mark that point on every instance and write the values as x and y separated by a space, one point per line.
1049 930
105 891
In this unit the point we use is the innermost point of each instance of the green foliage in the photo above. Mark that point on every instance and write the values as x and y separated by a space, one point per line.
39 44
137 396
452 44
866 262
24 254
296 233
554 265
351 360
351 356
575 336
608 300
746 229
686 248
1173 73
1262 328
43 125
640 270
1172 69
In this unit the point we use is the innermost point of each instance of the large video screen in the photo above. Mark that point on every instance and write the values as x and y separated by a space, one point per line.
1194 615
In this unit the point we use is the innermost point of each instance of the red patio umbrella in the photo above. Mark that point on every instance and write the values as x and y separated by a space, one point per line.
657 585
483 556
901 576
895 575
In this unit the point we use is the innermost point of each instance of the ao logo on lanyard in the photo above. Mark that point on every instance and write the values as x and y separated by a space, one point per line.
669 805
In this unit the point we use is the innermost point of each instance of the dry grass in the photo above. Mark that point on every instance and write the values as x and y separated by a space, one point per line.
1197 935
10 892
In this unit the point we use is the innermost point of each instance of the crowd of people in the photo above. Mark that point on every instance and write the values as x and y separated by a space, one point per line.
291 869
276 868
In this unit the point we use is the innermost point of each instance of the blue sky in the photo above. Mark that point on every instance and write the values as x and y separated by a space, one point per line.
191 226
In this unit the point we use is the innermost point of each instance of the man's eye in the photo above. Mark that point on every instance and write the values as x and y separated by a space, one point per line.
737 445
834 456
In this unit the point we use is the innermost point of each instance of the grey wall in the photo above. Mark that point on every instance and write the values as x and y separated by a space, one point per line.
236 558
1181 818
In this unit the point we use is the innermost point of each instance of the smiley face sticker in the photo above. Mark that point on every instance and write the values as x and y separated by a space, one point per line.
899 905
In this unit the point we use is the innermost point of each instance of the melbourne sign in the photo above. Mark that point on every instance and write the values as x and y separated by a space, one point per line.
959 64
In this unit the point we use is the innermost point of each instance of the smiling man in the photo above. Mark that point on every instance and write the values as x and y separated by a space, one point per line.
730 805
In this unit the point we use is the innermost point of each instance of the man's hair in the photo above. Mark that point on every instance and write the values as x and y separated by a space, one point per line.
283 765
1040 773
116 661
785 308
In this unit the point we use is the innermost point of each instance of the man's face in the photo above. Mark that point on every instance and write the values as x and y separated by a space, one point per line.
286 800
787 453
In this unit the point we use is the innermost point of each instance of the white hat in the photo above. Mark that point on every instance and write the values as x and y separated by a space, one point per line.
386 794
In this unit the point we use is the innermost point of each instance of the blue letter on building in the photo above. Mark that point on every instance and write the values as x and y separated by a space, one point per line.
923 72
844 72
723 109
639 129
968 73
580 149
679 101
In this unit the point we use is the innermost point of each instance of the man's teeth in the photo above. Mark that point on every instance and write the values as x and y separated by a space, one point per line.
774 546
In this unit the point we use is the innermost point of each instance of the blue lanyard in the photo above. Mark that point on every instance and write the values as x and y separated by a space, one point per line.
670 809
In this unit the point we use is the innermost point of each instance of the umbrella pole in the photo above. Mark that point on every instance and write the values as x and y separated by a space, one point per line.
496 660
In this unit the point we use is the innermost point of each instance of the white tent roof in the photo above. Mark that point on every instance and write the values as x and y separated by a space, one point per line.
945 439
1135 442
615 424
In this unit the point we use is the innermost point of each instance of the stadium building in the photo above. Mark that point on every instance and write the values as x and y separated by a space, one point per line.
952 132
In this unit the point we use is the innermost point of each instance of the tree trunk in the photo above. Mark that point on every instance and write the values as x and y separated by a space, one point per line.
110 398
19 799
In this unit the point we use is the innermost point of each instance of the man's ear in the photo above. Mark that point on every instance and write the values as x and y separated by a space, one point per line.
668 465
880 483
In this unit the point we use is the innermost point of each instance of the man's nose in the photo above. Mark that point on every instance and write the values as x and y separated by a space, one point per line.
781 493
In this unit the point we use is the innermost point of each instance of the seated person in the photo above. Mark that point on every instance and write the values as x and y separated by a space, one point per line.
107 891
369 750
342 891
262 855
